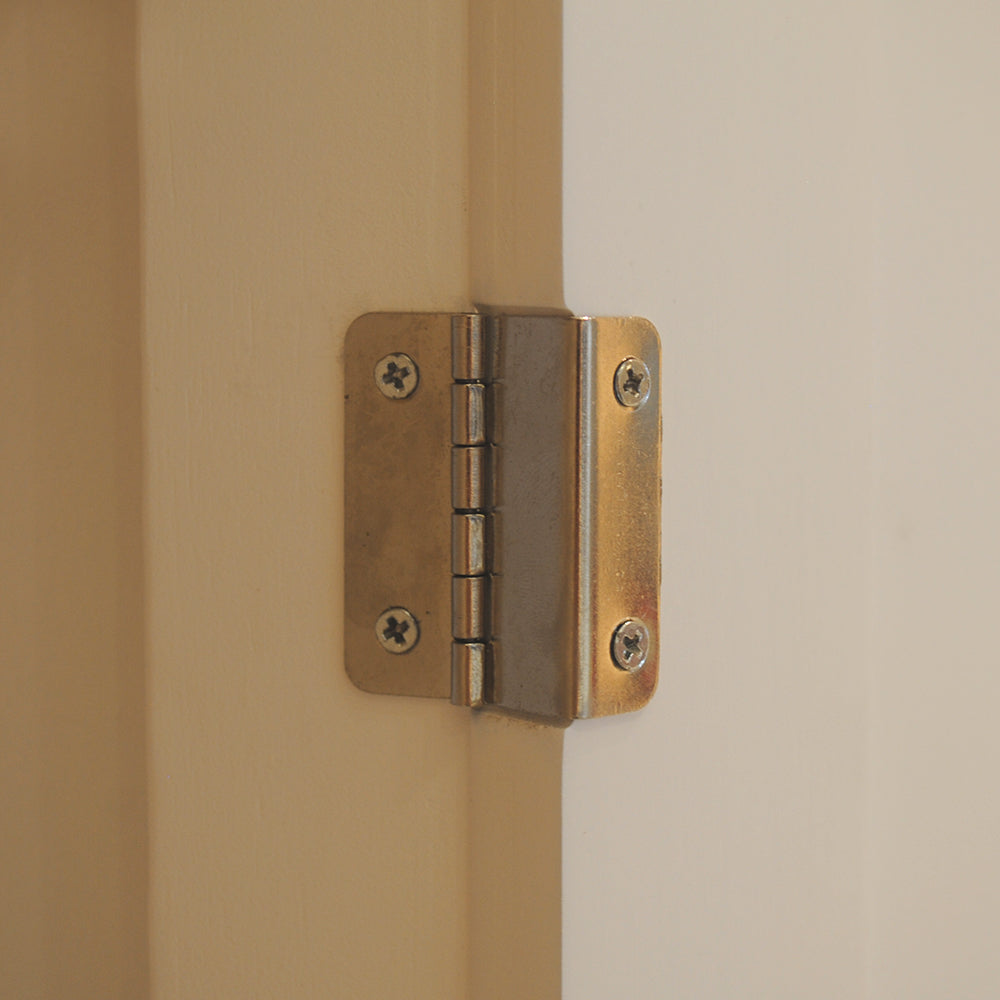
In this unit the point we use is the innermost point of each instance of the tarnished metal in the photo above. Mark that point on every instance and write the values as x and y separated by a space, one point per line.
397 550
470 601
581 510
469 544
548 425
472 478
470 348
468 413
473 497
469 671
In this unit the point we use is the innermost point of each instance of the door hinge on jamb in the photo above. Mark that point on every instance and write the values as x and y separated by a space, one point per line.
536 589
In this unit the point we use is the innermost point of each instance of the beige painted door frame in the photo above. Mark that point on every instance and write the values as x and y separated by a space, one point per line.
305 163
202 197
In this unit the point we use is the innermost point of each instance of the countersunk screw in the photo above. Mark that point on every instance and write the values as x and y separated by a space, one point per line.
397 630
632 382
630 645
396 376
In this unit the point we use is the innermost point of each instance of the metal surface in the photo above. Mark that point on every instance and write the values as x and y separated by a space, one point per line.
397 376
473 497
470 349
472 478
468 413
397 631
537 652
396 504
469 671
470 601
623 568
632 382
581 511
549 426
630 645
469 541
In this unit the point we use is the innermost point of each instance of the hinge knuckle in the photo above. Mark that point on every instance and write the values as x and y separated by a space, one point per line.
472 478
468 673
468 413
470 356
472 485
470 544
470 608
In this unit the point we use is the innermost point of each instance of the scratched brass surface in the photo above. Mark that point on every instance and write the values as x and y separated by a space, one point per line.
397 504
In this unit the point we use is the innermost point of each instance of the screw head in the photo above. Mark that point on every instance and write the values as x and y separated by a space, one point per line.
632 382
630 645
397 376
397 630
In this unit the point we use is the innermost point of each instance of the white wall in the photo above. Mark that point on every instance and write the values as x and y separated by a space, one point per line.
934 812
802 196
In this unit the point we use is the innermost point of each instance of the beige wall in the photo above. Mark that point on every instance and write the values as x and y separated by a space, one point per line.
73 823
729 201
933 822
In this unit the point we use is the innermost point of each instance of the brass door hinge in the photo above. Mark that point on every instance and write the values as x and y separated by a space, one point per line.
502 510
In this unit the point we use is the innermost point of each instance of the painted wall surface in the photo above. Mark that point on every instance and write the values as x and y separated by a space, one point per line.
197 199
303 163
802 196
933 894
73 861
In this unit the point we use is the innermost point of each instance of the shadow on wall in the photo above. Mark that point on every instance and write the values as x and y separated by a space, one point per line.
73 828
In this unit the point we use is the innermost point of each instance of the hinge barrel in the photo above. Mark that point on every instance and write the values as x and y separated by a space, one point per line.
473 481
471 359
468 414
473 477
469 544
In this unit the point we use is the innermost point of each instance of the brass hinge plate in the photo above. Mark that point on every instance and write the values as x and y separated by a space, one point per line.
502 510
